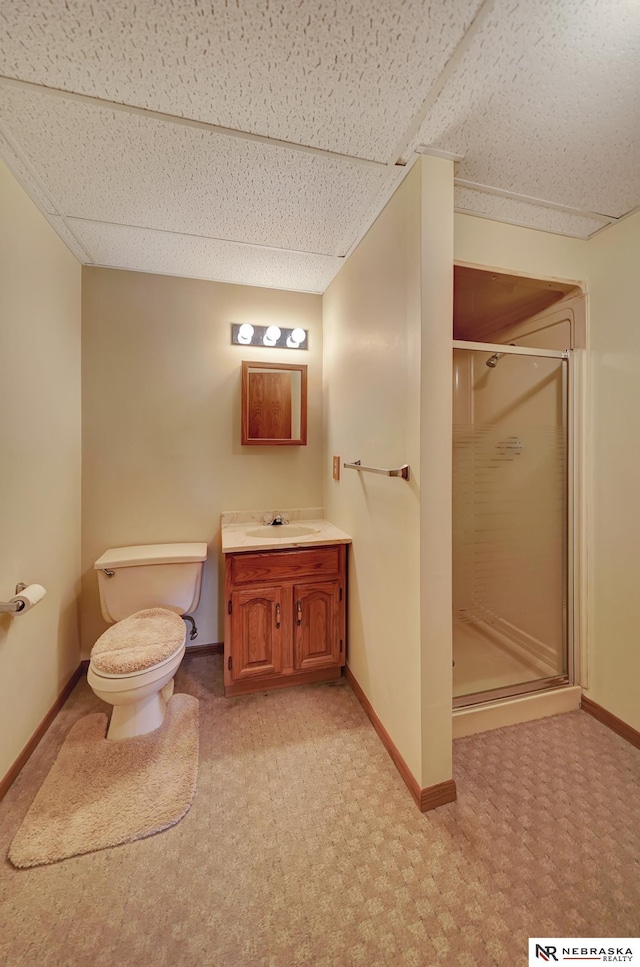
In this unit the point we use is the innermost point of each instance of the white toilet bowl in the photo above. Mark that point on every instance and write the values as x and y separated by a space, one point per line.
132 667
145 589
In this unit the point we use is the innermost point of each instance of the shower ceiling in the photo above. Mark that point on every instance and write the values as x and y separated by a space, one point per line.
480 298
255 141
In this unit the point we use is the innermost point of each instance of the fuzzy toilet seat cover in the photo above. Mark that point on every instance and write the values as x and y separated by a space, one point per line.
138 642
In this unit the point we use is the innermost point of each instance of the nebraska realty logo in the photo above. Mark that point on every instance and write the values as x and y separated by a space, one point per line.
558 950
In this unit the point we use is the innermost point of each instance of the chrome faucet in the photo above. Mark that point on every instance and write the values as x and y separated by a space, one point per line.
277 517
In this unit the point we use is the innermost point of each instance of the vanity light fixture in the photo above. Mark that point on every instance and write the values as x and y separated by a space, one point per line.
273 337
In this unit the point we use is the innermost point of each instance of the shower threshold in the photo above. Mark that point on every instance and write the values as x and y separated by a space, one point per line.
515 710
510 691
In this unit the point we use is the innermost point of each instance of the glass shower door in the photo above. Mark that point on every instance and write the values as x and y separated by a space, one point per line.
510 515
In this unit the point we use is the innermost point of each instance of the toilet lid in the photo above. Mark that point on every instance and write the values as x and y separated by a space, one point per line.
138 642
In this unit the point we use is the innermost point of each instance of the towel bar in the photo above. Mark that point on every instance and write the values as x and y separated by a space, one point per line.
398 472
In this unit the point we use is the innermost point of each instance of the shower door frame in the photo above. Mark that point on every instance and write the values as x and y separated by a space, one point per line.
570 409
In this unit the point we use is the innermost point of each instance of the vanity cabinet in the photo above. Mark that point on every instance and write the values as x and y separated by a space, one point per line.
285 618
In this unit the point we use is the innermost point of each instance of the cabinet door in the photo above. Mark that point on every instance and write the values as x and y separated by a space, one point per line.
318 625
256 618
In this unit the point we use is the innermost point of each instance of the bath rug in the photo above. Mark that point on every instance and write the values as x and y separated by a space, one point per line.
101 793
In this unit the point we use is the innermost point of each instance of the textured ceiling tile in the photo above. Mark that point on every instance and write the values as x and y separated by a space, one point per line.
542 100
141 250
520 212
120 167
347 77
546 103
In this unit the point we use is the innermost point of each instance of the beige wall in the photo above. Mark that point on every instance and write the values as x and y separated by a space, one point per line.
381 330
615 470
40 452
436 417
480 241
371 401
161 420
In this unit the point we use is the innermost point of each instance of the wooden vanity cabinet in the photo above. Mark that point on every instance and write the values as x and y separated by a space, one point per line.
285 617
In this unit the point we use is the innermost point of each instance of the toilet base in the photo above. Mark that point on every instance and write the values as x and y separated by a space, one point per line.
138 718
139 699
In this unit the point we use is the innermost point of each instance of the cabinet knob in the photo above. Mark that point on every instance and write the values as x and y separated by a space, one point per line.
299 613
278 615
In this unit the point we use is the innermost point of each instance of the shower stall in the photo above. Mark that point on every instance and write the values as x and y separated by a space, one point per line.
511 512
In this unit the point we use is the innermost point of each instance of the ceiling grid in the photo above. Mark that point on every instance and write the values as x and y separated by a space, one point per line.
255 141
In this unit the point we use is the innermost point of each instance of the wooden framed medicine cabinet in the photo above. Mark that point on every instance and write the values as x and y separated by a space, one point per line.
274 404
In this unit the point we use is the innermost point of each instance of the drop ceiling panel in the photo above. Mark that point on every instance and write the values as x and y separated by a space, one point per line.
142 250
545 102
519 212
348 77
115 166
539 97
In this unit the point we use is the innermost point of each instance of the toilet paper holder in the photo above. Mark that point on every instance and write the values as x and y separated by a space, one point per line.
13 606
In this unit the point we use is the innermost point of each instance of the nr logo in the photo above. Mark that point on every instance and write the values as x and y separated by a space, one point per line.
545 953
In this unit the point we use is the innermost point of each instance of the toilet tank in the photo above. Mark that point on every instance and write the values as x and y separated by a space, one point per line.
143 576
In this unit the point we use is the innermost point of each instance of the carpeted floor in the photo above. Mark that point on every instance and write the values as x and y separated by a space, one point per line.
303 847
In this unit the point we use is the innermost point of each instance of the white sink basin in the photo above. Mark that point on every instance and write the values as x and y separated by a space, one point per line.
281 532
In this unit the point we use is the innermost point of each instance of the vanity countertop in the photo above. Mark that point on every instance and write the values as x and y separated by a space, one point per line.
247 535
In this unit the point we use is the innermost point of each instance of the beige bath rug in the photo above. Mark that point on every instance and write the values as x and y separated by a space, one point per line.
101 793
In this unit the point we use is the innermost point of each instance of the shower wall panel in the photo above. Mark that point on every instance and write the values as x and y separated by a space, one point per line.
561 327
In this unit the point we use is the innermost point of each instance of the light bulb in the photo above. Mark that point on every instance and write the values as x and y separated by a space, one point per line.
297 336
245 333
271 336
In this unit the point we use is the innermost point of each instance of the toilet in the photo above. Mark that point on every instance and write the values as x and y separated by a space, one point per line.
145 591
